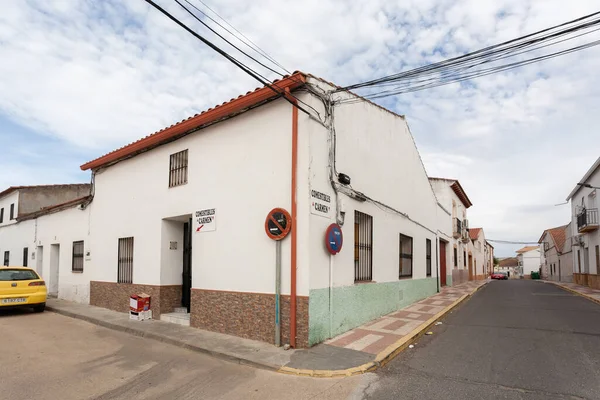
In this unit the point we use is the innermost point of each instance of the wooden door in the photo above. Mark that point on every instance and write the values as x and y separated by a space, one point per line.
442 263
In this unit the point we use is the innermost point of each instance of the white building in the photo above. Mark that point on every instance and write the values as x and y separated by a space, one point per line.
477 253
529 260
46 230
584 225
556 256
453 205
180 215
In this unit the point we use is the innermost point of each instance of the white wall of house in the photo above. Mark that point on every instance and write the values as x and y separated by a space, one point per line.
5 203
477 249
49 242
241 167
584 255
451 202
376 149
55 235
530 261
14 238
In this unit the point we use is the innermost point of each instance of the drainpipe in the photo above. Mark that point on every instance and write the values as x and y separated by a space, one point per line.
293 215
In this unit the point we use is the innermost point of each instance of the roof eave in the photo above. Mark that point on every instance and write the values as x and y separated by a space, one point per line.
232 107
584 179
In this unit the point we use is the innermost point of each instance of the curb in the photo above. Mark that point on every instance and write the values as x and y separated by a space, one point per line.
590 298
384 356
381 359
165 339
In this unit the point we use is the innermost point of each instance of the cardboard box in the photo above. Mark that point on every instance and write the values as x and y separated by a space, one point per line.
139 302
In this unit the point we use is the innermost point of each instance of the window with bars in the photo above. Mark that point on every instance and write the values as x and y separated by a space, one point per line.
25 254
1 215
363 247
406 257
428 257
455 257
12 211
125 260
77 260
6 258
178 169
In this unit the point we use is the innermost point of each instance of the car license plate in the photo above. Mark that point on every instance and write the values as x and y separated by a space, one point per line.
14 300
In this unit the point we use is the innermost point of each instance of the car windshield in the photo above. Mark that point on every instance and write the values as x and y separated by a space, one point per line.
500 273
9 274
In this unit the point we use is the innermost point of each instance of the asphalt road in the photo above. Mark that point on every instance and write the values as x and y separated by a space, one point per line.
515 339
49 356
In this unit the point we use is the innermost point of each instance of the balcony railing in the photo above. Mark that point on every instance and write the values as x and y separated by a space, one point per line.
457 228
587 220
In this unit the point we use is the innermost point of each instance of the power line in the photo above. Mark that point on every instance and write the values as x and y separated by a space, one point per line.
247 41
237 63
510 242
223 38
465 67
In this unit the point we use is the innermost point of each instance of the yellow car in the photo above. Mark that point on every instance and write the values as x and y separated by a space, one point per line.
22 287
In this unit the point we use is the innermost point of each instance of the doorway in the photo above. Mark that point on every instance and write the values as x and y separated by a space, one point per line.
54 263
186 286
442 263
470 267
39 260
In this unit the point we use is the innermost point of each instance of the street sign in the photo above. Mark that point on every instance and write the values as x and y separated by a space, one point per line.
205 220
278 223
334 239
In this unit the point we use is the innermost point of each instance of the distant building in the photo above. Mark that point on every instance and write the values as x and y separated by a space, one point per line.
529 260
509 265
556 257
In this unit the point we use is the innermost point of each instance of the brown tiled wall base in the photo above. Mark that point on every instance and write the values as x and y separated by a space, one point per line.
248 315
115 296
590 280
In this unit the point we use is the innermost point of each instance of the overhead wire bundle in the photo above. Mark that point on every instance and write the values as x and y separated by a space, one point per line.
486 61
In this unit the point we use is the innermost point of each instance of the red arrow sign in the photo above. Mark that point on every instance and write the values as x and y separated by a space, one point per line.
200 227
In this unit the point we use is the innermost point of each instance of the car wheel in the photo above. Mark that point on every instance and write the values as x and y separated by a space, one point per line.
39 308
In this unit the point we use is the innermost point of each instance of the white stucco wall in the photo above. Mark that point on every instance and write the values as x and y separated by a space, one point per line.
591 199
61 229
376 149
530 261
5 203
241 167
14 238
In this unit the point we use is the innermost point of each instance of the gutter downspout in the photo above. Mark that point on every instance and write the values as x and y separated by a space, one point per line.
293 215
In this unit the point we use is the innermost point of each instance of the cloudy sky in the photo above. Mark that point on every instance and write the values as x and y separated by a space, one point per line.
80 77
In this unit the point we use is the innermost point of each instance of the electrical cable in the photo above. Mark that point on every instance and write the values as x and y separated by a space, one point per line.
249 43
224 39
233 60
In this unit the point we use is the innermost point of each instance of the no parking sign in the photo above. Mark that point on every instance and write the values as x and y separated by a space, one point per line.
334 239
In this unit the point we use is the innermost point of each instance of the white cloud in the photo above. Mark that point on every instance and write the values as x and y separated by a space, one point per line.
96 75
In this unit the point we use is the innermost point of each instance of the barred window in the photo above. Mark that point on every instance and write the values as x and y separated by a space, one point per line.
125 261
363 247
6 258
178 169
77 261
25 254
406 256
428 256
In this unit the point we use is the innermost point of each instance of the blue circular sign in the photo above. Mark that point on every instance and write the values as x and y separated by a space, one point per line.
334 239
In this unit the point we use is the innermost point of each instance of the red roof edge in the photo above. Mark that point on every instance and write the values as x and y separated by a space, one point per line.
462 195
54 208
211 115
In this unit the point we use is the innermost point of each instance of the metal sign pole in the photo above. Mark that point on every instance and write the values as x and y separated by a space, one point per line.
277 293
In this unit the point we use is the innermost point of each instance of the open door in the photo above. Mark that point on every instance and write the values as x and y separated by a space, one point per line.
470 267
442 263
186 287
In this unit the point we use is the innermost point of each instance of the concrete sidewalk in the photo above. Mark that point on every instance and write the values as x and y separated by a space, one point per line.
585 291
360 350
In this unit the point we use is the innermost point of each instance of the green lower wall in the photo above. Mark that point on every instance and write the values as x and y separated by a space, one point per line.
448 280
354 305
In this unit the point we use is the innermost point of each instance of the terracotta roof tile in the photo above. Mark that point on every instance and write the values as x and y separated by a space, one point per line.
527 248
474 233
217 113
509 262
